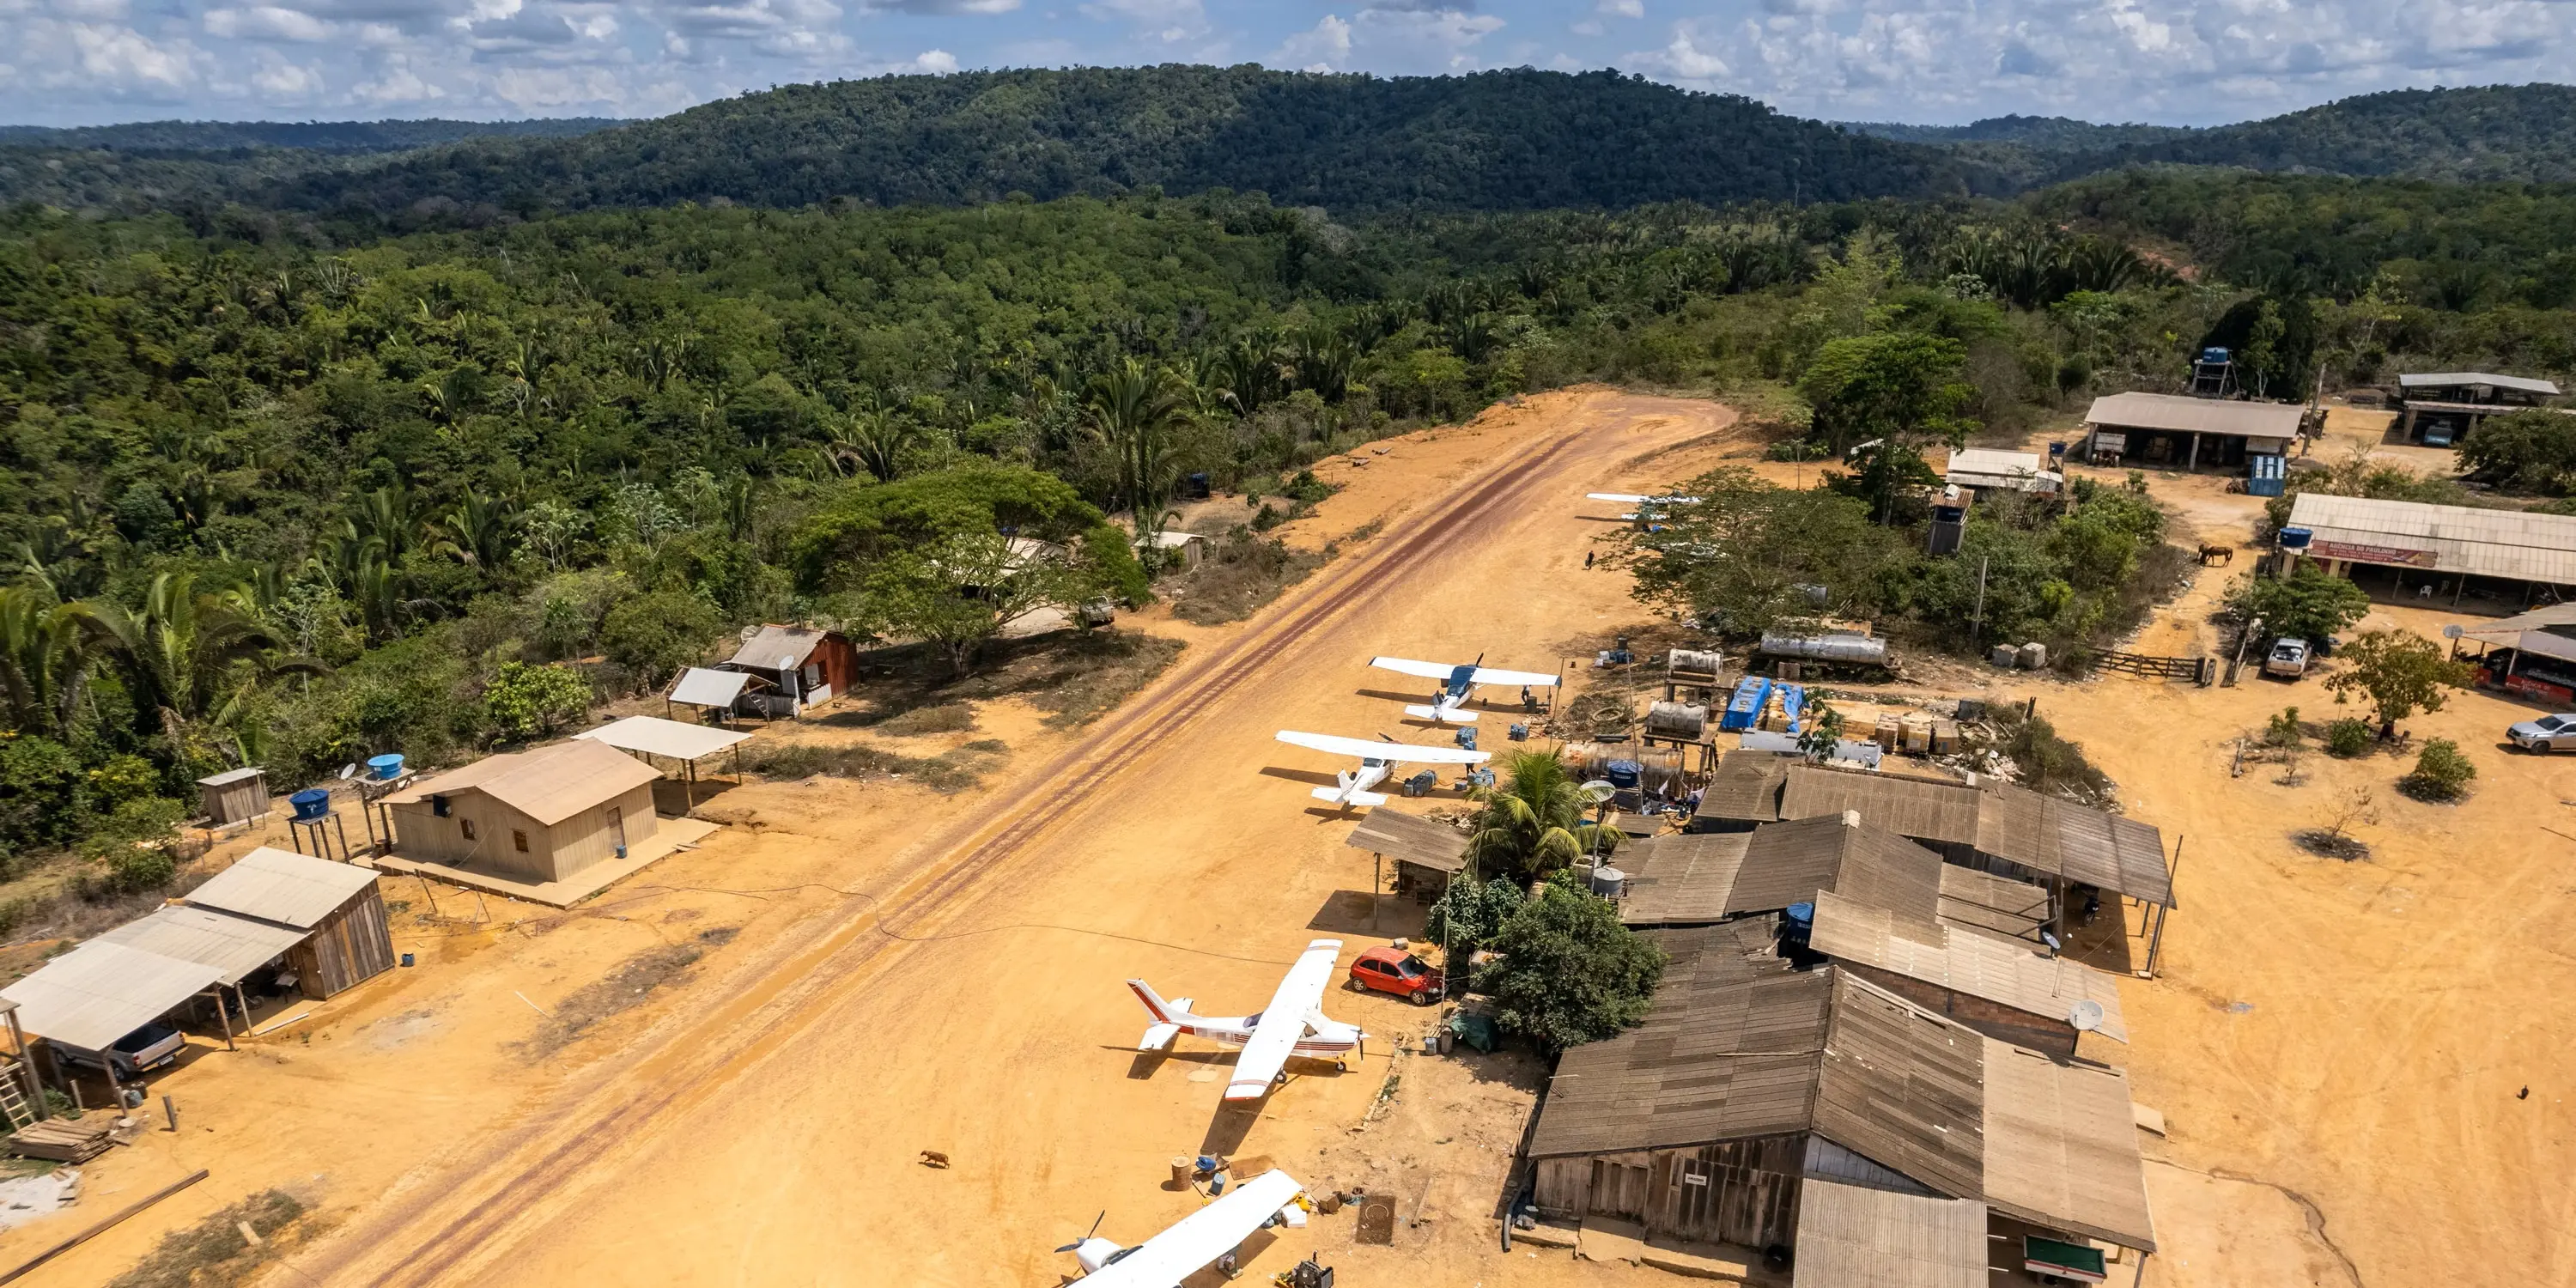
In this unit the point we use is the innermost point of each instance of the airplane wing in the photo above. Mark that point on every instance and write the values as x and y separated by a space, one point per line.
1623 498
1201 1237
1283 1021
1402 753
1407 666
1534 679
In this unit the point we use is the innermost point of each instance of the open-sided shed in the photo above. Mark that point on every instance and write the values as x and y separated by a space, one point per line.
1426 852
100 991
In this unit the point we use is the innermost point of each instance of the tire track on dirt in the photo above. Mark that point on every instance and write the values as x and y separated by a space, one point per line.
840 956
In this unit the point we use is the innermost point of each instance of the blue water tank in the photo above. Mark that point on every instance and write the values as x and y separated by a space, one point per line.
311 805
1802 917
385 768
2213 354
2295 538
1625 773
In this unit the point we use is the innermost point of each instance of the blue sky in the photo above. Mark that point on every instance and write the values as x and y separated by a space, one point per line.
66 62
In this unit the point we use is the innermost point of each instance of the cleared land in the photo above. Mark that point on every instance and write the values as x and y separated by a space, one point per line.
2336 1047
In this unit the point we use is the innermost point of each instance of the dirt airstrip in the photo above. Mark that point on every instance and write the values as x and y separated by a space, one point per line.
2336 1047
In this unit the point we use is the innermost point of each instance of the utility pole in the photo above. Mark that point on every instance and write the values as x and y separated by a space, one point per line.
1977 623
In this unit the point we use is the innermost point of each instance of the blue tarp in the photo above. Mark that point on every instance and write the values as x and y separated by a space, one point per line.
1792 697
1745 708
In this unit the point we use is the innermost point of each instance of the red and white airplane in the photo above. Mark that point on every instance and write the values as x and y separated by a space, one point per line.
1191 1243
1293 1024
1377 760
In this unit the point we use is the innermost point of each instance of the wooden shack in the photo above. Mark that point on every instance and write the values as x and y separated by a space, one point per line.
347 938
801 666
534 816
233 796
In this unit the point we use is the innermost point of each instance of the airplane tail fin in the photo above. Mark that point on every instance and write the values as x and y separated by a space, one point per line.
1162 1011
1336 796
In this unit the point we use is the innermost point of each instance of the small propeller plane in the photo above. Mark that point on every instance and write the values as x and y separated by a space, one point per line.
1649 508
1293 1024
1195 1241
1458 684
1377 760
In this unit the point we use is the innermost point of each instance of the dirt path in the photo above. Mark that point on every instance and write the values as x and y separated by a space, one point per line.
771 1136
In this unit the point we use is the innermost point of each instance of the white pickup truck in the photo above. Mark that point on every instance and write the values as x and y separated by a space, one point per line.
2289 659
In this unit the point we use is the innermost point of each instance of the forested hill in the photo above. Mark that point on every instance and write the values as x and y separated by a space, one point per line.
318 136
1491 141
2518 133
2048 133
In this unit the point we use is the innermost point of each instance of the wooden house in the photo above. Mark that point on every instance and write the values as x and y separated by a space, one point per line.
344 936
800 666
535 816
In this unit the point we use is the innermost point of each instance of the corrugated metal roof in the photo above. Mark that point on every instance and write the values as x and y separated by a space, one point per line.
2451 379
1997 970
230 776
1924 810
1986 467
765 650
2507 630
701 686
1746 786
1903 1088
2517 545
655 736
234 945
1681 880
548 784
1420 841
1853 1236
284 887
1992 904
2012 823
1788 863
2062 1147
99 992
2196 415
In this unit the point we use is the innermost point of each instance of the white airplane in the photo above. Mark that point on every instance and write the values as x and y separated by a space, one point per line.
1194 1241
1457 684
1646 504
1377 760
1293 1024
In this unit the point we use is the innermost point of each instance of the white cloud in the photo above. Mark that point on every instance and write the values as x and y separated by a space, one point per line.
1391 38
1621 8
266 22
937 62
1319 48
942 7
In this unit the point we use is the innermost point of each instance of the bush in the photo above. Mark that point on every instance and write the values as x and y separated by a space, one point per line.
44 796
654 637
134 869
1570 973
121 779
2309 605
1466 916
524 702
2347 738
2441 772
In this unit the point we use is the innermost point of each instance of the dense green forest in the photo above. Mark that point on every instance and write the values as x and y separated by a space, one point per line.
286 488
1511 140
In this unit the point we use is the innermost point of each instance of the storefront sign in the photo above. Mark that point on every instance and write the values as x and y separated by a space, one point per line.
2353 552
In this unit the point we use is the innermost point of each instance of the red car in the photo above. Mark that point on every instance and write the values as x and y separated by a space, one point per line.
1393 970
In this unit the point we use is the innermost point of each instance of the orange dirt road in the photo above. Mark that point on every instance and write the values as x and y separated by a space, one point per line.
768 1133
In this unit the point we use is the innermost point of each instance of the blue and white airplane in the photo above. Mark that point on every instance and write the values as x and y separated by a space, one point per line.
1377 760
1649 508
1457 684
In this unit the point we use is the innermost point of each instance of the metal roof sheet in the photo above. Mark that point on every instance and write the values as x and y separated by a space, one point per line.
2452 379
2062 1147
2518 545
1746 786
702 686
549 784
234 945
655 736
1903 1088
2196 415
100 991
1997 970
1681 880
1853 1236
765 650
2012 823
230 776
1915 807
282 886
1405 838
1987 467
2506 630
1788 863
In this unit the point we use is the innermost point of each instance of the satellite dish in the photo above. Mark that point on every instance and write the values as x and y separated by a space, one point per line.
1597 791
348 771
2451 632
2085 1015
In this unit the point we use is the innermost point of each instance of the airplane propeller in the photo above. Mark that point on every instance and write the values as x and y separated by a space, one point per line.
1086 1235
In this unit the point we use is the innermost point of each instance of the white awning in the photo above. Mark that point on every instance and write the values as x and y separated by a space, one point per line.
99 992
234 945
705 687
655 736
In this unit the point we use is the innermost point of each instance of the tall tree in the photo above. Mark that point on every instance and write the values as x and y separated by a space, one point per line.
186 648
1137 412
1533 821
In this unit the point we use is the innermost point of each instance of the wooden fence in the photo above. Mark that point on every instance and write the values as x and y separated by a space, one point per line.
2202 671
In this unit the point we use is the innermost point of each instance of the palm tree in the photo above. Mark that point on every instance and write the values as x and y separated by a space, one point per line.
1135 410
870 438
1533 822
478 530
44 660
391 517
178 650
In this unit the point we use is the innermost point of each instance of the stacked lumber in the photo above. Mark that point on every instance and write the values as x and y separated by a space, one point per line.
64 1140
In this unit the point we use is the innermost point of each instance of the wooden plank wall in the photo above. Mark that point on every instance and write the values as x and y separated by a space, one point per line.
1748 1194
351 946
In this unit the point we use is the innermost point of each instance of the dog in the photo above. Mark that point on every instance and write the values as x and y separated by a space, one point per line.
933 1158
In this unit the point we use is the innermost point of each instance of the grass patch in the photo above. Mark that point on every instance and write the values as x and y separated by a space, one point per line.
1103 670
624 989
949 772
948 717
1239 574
213 1254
